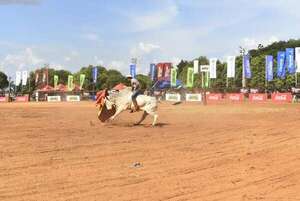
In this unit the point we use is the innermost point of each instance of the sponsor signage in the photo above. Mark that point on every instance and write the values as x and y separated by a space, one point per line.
258 98
282 97
73 98
173 97
193 97
22 98
214 97
3 99
204 68
53 99
235 97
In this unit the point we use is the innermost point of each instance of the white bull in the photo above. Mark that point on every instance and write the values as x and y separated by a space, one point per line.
122 101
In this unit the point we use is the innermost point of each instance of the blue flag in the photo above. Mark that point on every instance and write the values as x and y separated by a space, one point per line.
290 62
133 70
95 74
246 66
280 64
152 71
269 68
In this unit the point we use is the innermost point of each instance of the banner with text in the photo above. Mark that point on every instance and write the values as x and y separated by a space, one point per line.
55 81
133 70
95 74
246 66
280 64
190 77
213 68
290 61
196 66
297 55
152 71
82 79
70 82
24 77
231 66
269 68
18 78
173 77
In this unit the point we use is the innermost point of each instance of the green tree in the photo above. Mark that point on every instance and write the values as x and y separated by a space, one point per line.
145 81
114 77
3 80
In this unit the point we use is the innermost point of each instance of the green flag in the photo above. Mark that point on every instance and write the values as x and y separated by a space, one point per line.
207 79
82 78
70 83
173 77
190 77
55 81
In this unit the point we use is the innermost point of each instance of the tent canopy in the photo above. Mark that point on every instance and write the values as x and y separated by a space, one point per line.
46 88
120 86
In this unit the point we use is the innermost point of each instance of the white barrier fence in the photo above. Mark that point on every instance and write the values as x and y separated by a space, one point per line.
173 97
73 98
193 97
53 99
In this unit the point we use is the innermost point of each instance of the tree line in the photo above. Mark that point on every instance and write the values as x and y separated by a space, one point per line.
108 78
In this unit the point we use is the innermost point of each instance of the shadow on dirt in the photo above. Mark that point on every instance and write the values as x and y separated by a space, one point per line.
131 125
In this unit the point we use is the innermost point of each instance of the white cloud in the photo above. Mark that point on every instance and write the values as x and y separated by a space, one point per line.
117 65
252 43
155 19
74 53
98 61
91 37
24 59
143 49
57 66
67 59
23 2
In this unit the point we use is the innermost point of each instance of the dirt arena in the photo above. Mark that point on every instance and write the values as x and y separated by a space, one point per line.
60 151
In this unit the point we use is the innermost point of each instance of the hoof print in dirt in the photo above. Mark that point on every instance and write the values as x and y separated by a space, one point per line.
137 165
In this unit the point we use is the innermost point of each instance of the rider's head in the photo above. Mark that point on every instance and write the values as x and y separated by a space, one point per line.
129 77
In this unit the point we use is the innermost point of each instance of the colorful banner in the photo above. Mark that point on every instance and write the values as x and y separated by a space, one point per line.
297 57
235 97
206 79
196 66
280 64
70 83
190 77
214 97
282 97
133 70
258 98
152 71
290 63
269 68
167 70
95 74
36 77
45 72
246 66
18 78
213 68
22 98
55 81
160 71
173 77
81 80
231 66
24 77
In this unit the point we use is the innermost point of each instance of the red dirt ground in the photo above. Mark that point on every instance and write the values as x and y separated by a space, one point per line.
60 151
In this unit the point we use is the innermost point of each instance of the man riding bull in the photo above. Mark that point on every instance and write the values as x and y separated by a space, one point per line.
136 90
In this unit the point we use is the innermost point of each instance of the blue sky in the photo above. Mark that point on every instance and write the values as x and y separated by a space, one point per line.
70 34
